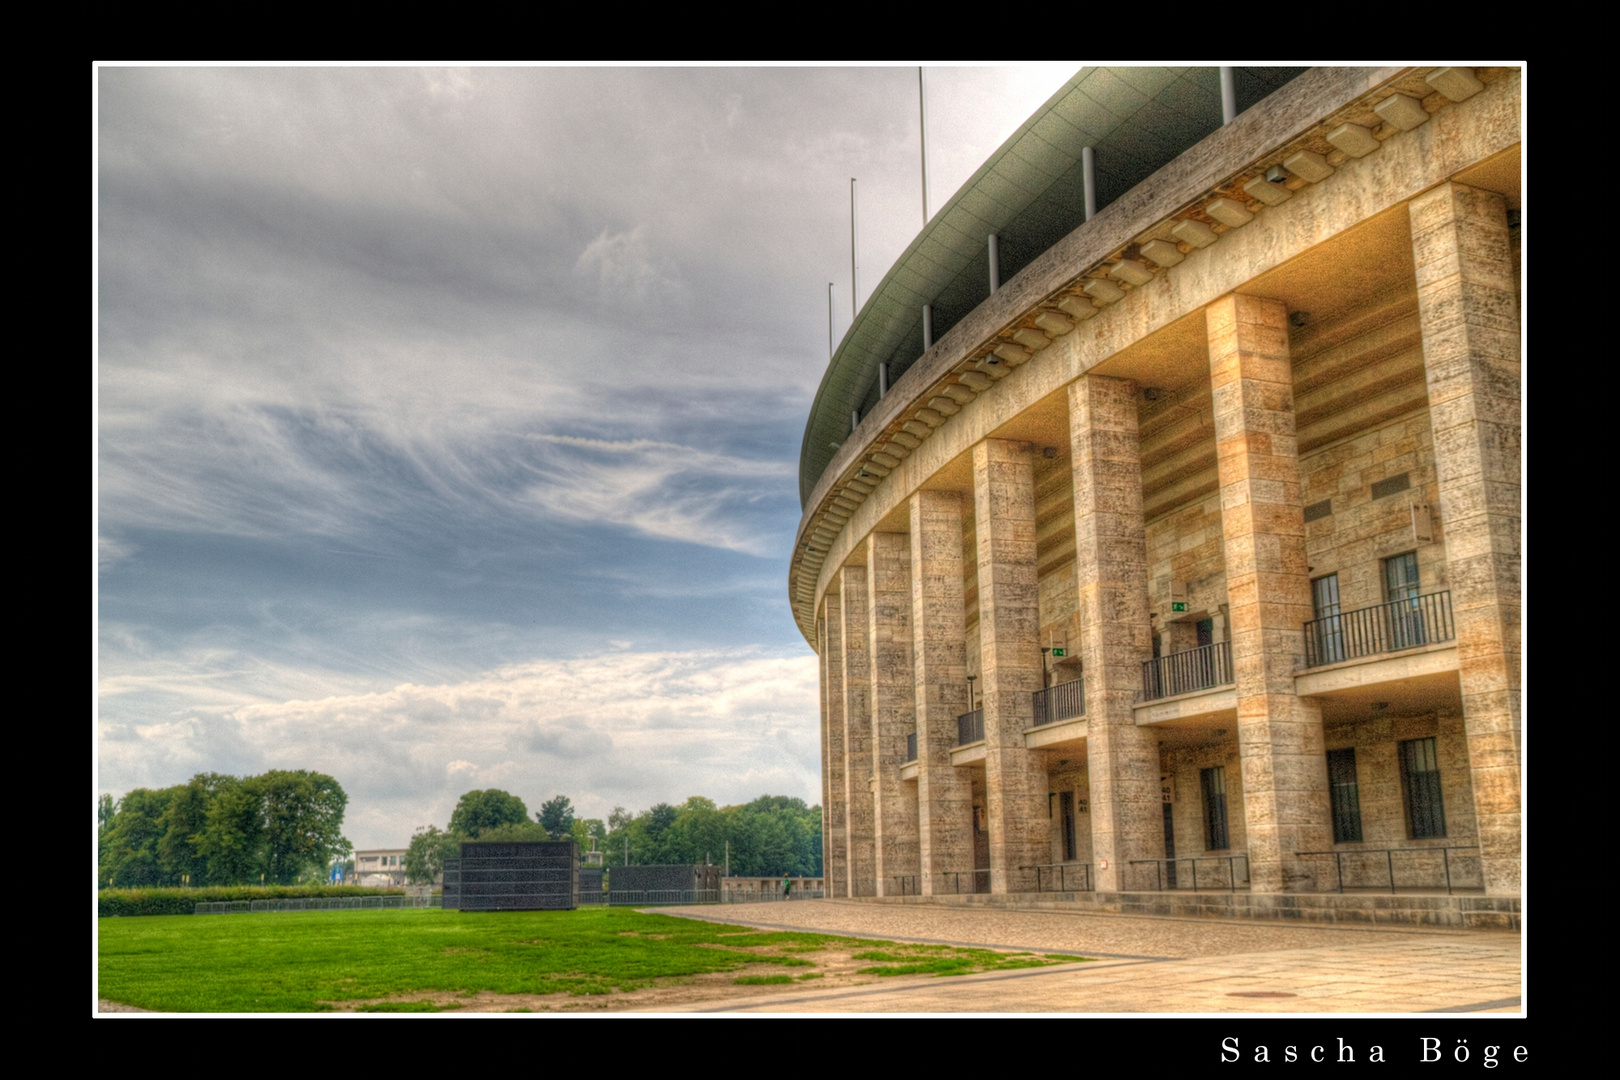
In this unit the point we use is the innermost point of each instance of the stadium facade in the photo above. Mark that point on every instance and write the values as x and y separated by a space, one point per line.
1161 506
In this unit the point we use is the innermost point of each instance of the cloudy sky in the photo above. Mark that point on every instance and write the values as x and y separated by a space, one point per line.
448 419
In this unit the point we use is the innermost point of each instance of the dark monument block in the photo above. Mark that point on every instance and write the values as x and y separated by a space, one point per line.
511 876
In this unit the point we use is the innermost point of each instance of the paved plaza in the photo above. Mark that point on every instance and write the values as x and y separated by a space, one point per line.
1152 964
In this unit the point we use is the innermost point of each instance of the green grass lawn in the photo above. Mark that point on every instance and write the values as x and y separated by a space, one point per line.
298 961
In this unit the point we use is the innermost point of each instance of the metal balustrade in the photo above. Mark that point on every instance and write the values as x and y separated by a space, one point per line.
1184 672
1065 701
1360 855
978 880
1060 876
1227 882
1391 627
970 727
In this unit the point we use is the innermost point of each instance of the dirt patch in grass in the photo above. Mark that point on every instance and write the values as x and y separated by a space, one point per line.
834 968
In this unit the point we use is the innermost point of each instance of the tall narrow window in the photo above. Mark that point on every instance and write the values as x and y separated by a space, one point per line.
1401 588
1214 784
1420 787
1327 633
1345 797
1066 808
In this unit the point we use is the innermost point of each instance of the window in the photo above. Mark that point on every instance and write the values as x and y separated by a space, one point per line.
1420 787
1345 796
1066 807
1401 588
1213 781
1327 634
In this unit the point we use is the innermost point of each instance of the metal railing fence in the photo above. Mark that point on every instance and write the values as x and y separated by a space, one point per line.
1389 862
1059 876
1065 701
1231 882
1184 672
1368 631
970 727
978 880
766 896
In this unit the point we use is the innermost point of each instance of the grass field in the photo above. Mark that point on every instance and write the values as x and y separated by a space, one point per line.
433 960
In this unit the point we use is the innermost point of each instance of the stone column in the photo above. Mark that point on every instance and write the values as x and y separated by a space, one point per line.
1010 660
888 580
835 835
1285 784
1470 321
939 650
1111 569
858 734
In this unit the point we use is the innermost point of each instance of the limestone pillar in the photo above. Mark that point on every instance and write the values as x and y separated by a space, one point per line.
1470 322
939 651
1111 569
894 808
1010 661
834 834
1285 784
858 816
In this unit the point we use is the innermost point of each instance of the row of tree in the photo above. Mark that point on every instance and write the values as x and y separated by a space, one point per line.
772 835
281 827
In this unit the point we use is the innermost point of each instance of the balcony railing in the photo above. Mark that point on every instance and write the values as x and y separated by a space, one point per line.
1184 672
970 727
911 748
1391 627
1065 701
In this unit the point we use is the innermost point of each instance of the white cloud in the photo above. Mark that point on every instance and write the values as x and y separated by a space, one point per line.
623 267
638 727
660 489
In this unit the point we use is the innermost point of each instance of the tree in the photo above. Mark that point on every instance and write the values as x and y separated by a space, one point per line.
481 810
557 815
518 832
424 859
303 821
183 823
131 842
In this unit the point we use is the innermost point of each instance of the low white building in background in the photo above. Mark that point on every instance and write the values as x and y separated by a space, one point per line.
380 867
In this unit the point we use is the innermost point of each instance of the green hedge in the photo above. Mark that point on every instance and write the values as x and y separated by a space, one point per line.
184 901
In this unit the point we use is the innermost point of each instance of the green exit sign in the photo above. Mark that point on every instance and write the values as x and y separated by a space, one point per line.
1059 653
1174 606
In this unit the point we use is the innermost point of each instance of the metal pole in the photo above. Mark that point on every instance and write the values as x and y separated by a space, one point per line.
854 259
1088 179
995 266
928 327
1228 96
922 114
829 320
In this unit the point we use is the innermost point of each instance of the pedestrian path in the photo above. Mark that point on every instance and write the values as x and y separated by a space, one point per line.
1149 964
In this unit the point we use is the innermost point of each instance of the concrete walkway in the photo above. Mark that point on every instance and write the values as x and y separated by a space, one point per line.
1152 964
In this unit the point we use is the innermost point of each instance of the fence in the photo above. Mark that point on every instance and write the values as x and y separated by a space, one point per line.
1167 872
1391 627
319 903
1184 672
1418 865
1065 701
970 727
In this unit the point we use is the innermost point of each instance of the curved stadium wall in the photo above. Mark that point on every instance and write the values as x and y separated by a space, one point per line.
1189 555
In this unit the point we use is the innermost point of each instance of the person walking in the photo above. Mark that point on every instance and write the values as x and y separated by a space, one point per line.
787 886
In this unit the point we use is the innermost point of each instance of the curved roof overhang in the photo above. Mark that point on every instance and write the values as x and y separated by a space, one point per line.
1029 194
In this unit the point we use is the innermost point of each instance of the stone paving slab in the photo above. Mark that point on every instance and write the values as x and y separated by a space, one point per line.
1155 964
